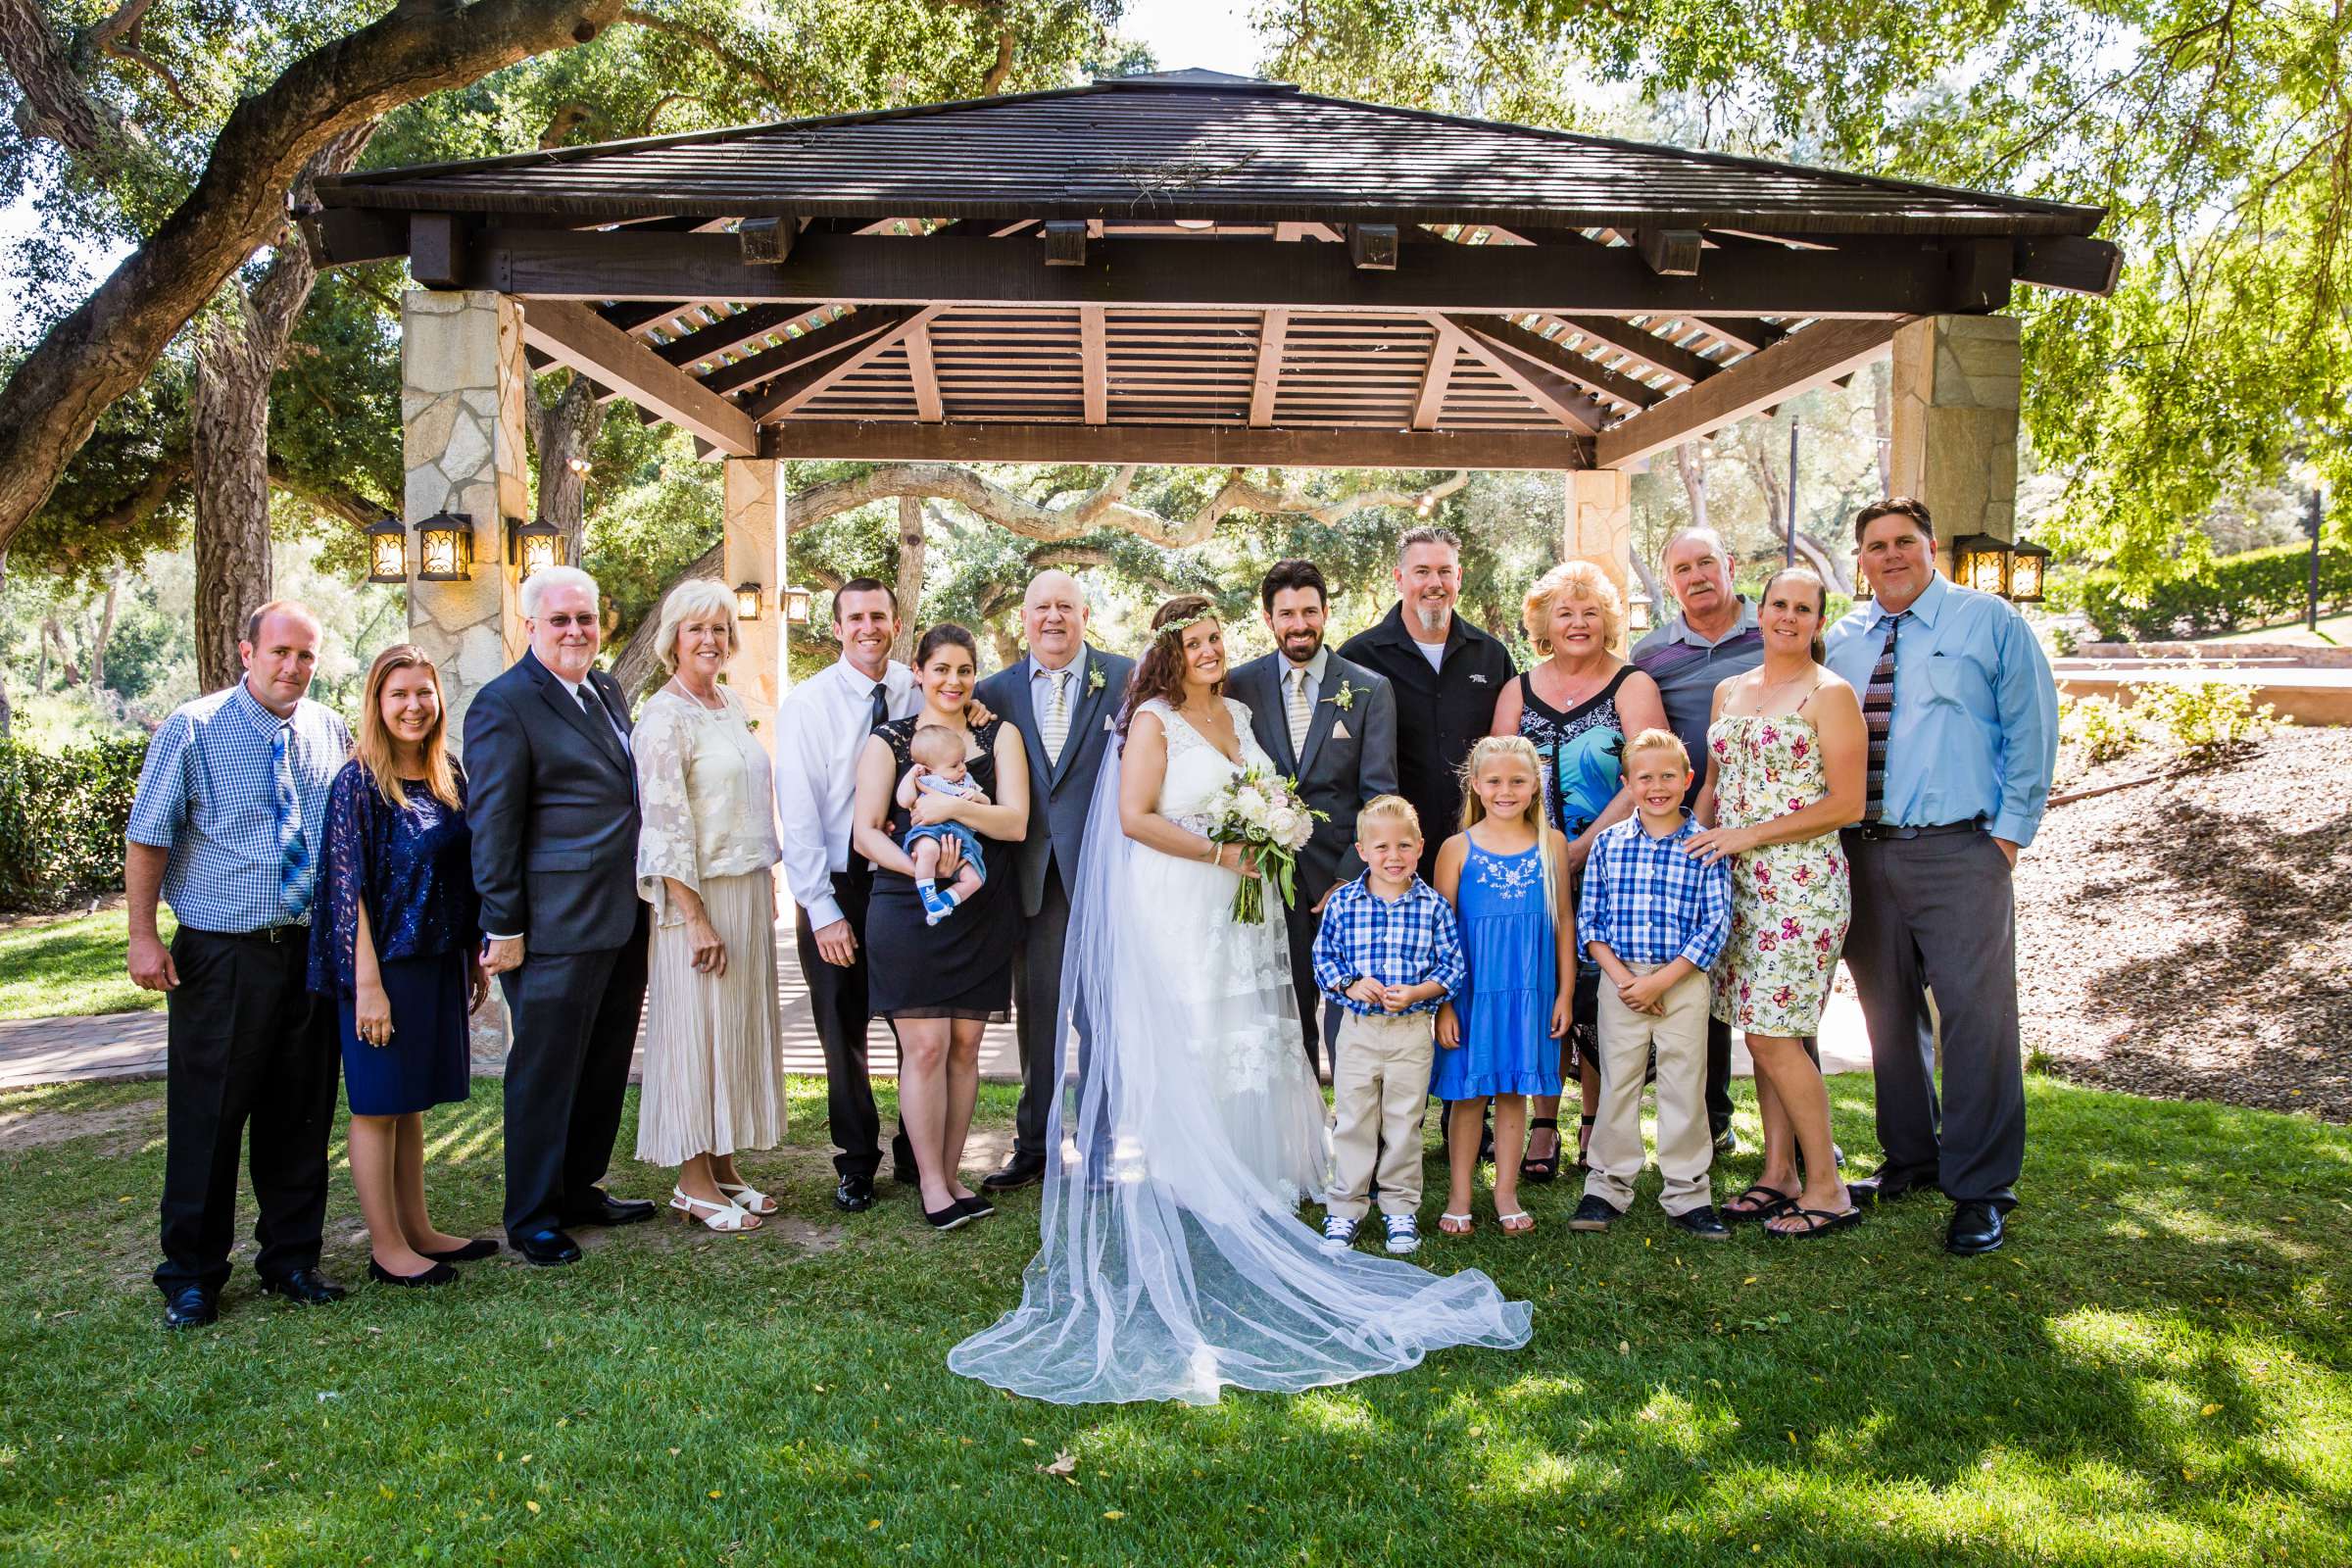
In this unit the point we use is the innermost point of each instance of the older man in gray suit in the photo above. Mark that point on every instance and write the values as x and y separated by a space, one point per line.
1064 698
1331 724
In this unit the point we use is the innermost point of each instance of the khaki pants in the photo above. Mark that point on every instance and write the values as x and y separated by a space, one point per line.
1685 1149
1380 1090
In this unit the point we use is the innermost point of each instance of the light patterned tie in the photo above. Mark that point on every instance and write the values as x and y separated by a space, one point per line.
295 884
1877 716
1298 712
1054 728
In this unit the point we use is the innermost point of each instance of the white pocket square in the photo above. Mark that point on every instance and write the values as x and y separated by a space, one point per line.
1110 725
1339 729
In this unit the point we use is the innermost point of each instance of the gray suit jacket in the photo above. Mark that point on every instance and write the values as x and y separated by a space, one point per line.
1059 794
552 800
1350 757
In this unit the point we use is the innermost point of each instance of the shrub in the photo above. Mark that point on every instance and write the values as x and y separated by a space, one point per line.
2206 721
2103 730
62 817
2254 589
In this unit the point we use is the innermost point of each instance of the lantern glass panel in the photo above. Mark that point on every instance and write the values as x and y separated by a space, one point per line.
441 550
2025 577
747 601
538 554
388 557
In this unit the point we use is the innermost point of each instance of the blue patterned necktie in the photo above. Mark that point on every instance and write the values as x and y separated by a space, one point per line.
295 884
1878 719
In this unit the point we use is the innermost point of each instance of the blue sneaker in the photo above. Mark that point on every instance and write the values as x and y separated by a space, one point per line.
1339 1233
1404 1236
937 905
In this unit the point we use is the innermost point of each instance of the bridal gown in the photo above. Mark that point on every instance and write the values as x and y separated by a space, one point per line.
1172 1262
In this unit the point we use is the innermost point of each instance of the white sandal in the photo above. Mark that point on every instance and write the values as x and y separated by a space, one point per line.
726 1218
748 1198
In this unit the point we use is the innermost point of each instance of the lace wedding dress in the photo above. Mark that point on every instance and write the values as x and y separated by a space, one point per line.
1172 1261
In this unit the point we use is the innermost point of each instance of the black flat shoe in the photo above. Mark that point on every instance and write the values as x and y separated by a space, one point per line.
608 1210
549 1249
1701 1222
977 1208
947 1218
191 1306
1976 1228
438 1274
855 1194
305 1287
472 1252
1018 1171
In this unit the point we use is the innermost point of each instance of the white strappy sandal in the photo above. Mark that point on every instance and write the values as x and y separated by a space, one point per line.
725 1218
748 1198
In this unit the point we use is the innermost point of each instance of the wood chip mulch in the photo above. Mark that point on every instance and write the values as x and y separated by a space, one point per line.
2192 938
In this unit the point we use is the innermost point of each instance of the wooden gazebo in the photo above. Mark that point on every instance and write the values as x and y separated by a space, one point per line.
1183 268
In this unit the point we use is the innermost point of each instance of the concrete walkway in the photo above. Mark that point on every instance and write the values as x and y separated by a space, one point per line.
131 1045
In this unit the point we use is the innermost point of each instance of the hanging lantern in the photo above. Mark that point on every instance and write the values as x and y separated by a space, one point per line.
1982 561
445 548
533 547
2025 572
747 601
1636 611
796 605
387 550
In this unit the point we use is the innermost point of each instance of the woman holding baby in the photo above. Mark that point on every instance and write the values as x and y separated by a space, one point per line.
940 932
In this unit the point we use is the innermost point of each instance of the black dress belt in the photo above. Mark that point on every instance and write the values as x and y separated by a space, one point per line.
1873 832
272 935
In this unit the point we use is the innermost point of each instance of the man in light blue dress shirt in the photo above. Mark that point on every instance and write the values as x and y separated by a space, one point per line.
228 827
1964 740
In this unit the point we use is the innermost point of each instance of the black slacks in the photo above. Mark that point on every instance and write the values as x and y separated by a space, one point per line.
575 1017
246 1043
836 997
1037 1012
1940 913
1719 1071
1317 1020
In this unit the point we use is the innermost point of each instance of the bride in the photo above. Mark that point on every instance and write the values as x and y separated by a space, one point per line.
1172 1259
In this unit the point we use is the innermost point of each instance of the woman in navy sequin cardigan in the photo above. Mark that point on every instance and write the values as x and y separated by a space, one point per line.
396 939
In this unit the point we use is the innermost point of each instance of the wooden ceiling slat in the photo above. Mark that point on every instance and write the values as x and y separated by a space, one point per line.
1266 378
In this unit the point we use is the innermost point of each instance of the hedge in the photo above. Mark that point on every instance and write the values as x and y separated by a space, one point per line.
61 818
2254 589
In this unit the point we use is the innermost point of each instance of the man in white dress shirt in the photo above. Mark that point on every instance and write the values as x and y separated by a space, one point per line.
820 728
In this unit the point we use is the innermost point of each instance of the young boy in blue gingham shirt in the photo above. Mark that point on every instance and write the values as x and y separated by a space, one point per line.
1654 918
1391 953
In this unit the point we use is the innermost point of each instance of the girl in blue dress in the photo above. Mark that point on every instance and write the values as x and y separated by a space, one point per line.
1499 1039
396 940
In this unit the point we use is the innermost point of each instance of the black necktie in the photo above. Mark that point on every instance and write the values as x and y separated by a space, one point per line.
878 715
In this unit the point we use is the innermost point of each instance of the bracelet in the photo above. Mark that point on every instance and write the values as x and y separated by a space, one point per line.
1217 852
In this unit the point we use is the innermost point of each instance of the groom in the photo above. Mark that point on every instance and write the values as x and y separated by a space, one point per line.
1064 698
1331 724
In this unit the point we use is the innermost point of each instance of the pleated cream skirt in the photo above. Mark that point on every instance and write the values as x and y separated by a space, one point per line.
713 1058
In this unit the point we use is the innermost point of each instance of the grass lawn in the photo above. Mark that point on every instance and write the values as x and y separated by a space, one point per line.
2334 631
2153 1372
73 965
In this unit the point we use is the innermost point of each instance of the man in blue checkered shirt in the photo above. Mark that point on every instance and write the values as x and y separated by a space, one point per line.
1654 918
1389 952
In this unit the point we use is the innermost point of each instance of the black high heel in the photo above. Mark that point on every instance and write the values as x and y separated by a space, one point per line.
438 1274
1531 1169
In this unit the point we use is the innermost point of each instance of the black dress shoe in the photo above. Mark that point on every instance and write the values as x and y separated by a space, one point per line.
472 1252
855 1194
1594 1213
438 1274
191 1306
305 1287
547 1248
1976 1228
1018 1171
1702 1222
1885 1188
608 1210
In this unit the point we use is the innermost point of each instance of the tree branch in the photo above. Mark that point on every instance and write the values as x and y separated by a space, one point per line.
713 45
57 104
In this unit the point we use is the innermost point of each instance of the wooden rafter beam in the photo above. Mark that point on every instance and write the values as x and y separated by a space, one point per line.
1616 332
1586 373
1804 360
784 395
1565 401
1094 364
2062 261
1265 383
1670 252
1203 445
819 342
572 334
733 332
1745 333
924 372
1430 404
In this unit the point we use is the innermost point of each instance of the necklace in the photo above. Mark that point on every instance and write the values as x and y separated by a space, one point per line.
709 707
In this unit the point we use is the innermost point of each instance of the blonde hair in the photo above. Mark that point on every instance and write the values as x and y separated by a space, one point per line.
374 750
1656 740
1474 810
698 595
1387 806
1577 579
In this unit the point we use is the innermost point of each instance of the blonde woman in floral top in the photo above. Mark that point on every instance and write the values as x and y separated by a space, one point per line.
1787 749
714 1064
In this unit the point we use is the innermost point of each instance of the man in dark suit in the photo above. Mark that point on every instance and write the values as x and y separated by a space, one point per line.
552 799
1331 724
1064 698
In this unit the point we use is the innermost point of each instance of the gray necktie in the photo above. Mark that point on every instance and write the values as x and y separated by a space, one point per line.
1054 728
1299 712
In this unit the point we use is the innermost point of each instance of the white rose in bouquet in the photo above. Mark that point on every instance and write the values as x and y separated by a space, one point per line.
1266 815
1289 826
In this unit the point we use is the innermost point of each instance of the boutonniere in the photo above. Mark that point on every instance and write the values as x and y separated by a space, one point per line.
1093 677
1345 698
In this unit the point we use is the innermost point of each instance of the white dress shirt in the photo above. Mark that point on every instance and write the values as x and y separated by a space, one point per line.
821 731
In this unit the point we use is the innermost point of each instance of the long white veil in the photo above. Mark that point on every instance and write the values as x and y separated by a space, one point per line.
1166 1269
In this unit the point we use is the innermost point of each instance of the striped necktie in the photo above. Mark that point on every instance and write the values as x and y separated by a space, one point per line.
1298 711
1055 727
295 884
1877 715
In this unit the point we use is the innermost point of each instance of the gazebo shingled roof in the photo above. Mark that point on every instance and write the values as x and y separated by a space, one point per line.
1197 267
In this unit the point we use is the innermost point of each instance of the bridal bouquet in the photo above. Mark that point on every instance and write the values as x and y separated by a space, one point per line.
1264 813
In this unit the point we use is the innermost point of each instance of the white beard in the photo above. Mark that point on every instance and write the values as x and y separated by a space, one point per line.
1433 621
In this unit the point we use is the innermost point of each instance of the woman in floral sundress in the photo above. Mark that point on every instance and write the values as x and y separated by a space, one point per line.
1786 753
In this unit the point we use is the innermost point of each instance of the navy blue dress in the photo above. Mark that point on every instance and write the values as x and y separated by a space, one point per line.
412 871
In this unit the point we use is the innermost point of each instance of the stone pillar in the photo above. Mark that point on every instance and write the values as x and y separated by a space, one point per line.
463 383
1600 529
755 515
1955 403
